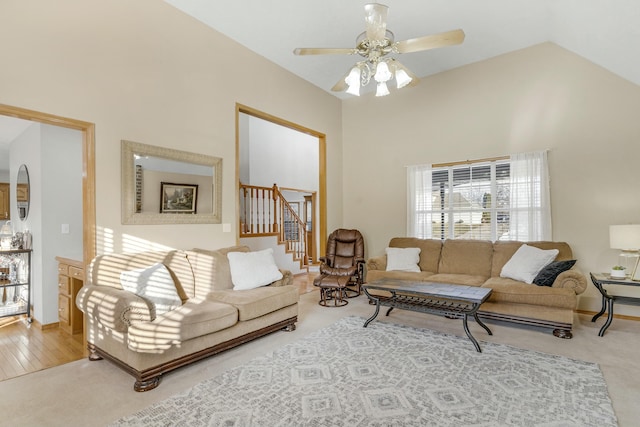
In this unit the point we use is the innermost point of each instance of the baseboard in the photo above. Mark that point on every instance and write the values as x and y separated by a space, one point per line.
48 326
615 316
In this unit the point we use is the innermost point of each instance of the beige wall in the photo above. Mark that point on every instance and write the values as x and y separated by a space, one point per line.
543 97
143 71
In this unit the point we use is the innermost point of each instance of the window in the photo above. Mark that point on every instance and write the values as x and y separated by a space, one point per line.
501 199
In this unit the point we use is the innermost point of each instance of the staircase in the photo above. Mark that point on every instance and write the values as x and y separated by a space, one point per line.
265 212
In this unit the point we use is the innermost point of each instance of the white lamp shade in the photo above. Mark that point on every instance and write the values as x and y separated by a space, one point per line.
353 81
625 237
382 72
402 78
382 89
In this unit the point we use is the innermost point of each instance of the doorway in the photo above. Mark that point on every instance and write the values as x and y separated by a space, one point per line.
321 223
88 168
87 131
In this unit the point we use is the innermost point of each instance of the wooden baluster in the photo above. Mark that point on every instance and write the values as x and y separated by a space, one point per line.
243 201
274 195
270 197
252 211
264 215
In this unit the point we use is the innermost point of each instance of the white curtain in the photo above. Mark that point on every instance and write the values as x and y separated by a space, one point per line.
419 201
530 210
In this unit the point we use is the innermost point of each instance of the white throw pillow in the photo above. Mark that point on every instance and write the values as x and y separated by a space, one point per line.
403 259
155 285
251 270
527 262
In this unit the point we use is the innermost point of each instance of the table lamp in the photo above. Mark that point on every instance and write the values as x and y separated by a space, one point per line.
626 238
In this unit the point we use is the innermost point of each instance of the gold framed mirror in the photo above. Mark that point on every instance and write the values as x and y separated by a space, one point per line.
149 172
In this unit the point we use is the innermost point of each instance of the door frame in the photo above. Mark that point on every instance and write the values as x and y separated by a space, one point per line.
322 167
88 168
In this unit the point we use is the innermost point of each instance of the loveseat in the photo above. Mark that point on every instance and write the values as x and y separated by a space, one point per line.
480 263
208 317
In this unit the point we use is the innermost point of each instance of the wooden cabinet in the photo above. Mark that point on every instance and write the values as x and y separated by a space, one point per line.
70 280
5 211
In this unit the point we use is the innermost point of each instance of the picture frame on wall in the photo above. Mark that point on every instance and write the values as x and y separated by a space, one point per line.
178 198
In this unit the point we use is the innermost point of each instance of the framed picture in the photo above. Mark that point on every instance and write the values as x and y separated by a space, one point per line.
178 198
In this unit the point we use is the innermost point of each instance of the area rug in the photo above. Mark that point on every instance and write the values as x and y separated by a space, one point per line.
392 375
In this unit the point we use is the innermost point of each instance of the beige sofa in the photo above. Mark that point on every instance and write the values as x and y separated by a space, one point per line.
479 263
120 326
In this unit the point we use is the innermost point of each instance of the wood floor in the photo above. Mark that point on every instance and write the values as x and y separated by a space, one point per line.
25 349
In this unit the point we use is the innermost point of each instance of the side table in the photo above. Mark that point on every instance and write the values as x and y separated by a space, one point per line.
599 280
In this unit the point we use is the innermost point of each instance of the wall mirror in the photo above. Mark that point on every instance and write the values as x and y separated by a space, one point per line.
167 186
22 192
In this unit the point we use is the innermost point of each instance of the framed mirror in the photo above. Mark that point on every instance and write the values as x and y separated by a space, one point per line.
22 192
167 186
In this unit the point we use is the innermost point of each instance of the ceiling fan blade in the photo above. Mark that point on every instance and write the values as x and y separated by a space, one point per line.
341 85
376 20
323 51
433 41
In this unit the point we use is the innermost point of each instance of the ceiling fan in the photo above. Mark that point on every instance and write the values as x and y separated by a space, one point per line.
375 45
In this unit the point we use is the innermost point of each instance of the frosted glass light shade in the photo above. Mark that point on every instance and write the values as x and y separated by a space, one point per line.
402 78
382 89
353 81
382 72
625 237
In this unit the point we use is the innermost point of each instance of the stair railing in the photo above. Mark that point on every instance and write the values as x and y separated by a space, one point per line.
259 210
265 212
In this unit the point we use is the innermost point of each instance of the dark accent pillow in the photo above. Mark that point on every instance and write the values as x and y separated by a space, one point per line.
548 275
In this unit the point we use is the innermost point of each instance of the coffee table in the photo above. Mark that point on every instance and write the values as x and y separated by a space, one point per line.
427 297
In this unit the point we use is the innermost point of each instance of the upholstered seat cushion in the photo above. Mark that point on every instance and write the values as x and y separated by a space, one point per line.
193 319
257 302
509 290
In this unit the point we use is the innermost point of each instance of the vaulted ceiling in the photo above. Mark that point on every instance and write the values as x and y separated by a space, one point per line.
604 32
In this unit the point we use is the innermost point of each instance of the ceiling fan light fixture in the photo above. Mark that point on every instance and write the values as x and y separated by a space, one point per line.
376 45
402 78
382 72
382 89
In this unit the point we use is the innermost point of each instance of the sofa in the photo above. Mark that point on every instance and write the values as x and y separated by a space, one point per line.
480 263
209 316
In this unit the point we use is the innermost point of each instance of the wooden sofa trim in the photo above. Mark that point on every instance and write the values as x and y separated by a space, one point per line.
150 378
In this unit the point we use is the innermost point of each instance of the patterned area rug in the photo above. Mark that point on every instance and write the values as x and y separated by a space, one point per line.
392 375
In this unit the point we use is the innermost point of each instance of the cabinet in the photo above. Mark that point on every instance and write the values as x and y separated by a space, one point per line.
5 212
70 280
15 283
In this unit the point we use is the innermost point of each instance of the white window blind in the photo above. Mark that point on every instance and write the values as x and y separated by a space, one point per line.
486 200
